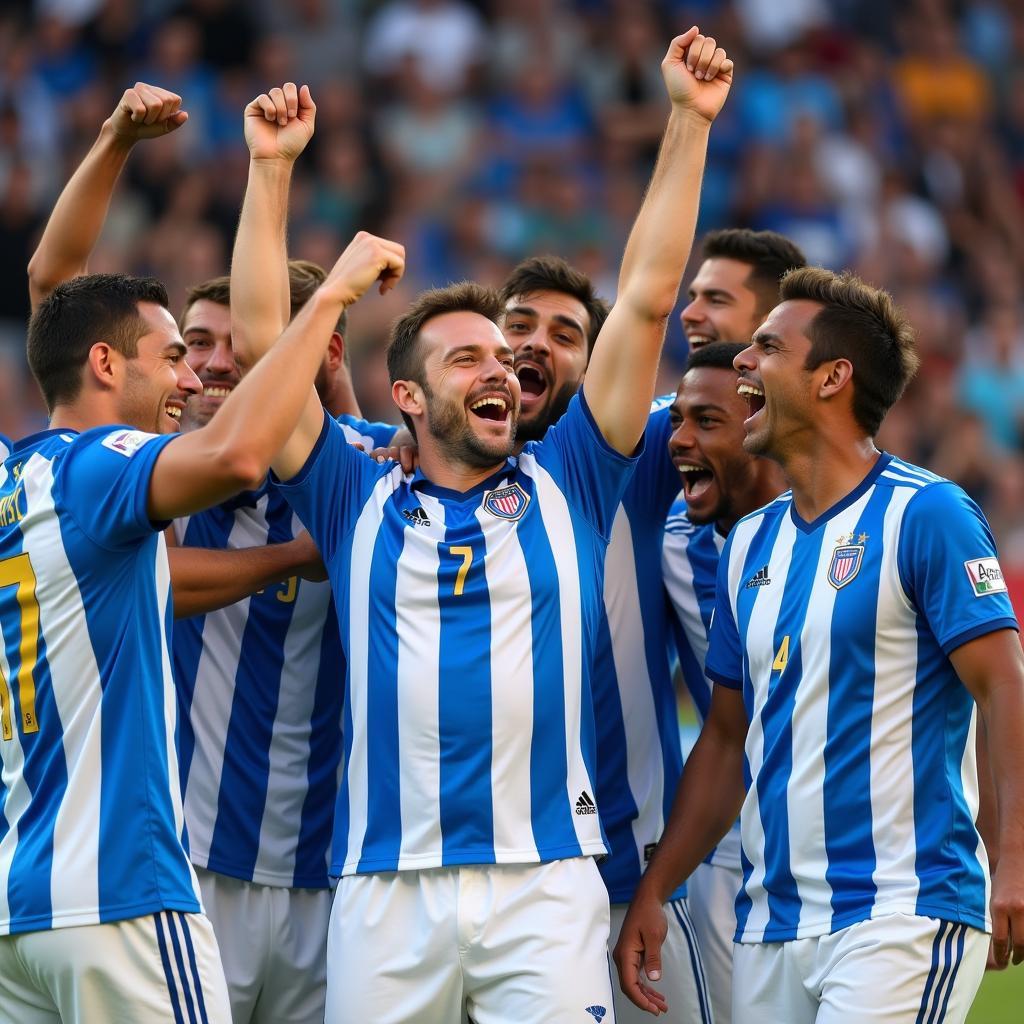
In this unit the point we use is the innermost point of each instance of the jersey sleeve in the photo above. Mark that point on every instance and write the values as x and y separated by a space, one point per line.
724 662
949 569
591 473
370 435
328 492
655 476
104 484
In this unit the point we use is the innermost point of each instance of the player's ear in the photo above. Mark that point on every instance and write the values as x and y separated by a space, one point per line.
408 396
838 375
103 364
335 352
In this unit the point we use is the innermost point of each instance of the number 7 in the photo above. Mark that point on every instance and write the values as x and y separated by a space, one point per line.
17 572
467 560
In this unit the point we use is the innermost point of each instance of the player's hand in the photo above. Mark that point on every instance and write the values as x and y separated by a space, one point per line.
407 455
1008 912
697 73
309 564
146 111
638 953
279 123
366 260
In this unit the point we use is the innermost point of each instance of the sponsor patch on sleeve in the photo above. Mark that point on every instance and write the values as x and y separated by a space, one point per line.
986 576
127 442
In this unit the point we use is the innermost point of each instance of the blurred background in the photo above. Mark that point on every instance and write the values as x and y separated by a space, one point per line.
887 137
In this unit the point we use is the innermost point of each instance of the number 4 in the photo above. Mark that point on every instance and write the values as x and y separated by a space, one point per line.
782 655
17 572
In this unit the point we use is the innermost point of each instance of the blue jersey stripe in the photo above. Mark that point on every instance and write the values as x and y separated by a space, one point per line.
851 694
551 816
234 845
465 717
383 838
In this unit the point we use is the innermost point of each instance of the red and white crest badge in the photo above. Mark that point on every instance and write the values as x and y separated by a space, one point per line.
845 564
506 502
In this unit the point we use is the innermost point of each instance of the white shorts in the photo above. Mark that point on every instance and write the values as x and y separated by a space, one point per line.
273 944
711 894
507 943
148 970
899 969
682 983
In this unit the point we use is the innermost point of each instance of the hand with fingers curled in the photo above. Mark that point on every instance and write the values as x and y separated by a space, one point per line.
146 112
365 260
279 123
698 74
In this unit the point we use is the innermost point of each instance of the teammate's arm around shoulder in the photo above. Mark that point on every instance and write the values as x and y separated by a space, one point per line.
143 112
620 380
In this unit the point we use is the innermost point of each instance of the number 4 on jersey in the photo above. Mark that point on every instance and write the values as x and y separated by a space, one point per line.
781 655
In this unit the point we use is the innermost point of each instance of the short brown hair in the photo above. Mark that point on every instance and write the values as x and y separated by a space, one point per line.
553 274
770 257
405 361
865 326
76 315
304 277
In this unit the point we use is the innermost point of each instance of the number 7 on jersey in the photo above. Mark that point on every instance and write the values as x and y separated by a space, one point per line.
465 552
17 572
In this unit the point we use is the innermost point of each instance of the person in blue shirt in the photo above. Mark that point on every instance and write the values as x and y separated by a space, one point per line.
100 917
468 597
862 634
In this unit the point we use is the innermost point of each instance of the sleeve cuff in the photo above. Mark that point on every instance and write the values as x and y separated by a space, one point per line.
723 680
980 629
307 466
602 440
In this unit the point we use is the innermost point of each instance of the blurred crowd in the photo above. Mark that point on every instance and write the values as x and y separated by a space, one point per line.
887 137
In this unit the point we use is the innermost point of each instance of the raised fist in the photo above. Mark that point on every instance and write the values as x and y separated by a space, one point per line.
146 111
698 74
366 259
279 123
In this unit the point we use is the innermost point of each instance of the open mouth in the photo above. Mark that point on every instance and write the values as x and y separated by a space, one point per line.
532 381
696 479
216 391
492 408
698 340
173 409
754 397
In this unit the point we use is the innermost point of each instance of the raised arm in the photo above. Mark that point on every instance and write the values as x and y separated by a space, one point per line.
143 112
621 377
256 422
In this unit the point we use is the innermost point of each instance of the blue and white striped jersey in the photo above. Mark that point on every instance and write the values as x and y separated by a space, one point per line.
260 687
689 565
91 828
468 620
862 781
639 759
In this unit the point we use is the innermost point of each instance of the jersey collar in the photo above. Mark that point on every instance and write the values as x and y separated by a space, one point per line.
421 483
803 526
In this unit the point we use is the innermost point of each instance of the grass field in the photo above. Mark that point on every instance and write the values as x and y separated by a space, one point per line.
1001 999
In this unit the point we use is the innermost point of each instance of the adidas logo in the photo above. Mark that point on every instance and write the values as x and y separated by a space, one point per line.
759 579
417 516
585 806
597 1012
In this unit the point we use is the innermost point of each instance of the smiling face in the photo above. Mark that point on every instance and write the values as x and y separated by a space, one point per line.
548 334
722 306
776 385
158 378
207 334
721 482
470 397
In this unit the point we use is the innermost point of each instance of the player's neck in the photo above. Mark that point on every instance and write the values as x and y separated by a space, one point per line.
80 417
453 474
824 474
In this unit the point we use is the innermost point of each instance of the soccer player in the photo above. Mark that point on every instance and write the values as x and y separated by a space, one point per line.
721 483
861 622
551 319
99 907
737 284
468 597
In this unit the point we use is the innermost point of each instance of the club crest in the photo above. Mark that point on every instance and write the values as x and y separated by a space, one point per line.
845 564
506 502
